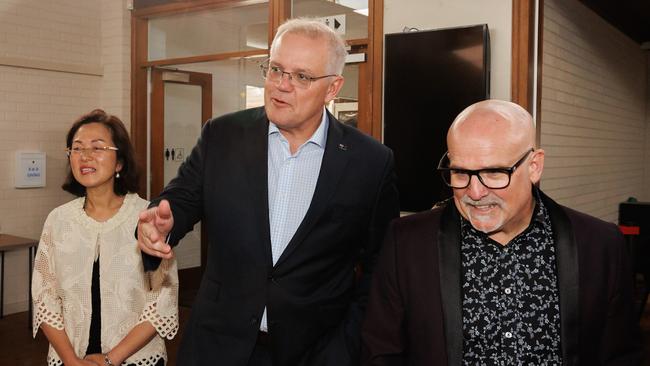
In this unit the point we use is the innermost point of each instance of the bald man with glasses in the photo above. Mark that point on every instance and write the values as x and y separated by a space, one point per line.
501 274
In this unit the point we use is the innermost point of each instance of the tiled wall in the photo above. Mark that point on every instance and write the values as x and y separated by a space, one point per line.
593 111
58 60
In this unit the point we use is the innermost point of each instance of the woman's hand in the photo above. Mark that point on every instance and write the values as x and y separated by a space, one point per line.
93 359
80 362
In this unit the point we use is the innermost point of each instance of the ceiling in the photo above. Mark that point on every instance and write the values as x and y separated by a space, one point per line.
632 17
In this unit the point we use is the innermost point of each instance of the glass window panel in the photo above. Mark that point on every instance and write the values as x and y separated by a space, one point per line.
208 32
354 12
233 82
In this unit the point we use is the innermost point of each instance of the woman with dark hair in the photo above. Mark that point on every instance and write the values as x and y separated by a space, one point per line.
92 298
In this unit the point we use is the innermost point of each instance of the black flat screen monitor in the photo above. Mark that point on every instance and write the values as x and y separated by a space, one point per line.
430 77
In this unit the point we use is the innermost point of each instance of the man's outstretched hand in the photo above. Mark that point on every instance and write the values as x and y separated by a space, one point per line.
154 225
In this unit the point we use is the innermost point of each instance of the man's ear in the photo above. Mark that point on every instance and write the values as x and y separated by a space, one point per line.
536 166
334 88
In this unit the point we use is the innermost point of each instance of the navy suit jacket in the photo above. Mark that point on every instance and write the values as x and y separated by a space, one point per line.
414 314
315 300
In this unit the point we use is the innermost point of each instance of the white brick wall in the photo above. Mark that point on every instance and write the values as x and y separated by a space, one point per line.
593 121
58 60
64 31
116 59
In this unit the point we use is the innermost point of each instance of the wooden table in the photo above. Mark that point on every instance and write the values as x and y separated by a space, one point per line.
8 243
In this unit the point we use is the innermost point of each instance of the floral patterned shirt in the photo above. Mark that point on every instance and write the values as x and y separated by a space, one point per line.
511 307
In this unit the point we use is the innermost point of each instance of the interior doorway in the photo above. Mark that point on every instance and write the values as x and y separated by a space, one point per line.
181 102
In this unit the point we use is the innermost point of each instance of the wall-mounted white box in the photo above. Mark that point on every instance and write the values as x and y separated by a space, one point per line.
30 169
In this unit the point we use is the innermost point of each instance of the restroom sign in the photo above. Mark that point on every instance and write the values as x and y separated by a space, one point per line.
335 22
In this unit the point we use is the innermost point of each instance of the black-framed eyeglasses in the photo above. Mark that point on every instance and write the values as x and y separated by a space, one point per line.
300 80
88 151
492 178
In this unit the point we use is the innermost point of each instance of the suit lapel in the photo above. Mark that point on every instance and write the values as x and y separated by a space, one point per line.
335 159
567 273
450 282
255 154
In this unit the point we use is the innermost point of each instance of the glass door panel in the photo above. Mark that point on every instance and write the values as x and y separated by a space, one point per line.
182 124
212 31
236 84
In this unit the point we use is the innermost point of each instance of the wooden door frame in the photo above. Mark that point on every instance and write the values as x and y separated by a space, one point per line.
523 57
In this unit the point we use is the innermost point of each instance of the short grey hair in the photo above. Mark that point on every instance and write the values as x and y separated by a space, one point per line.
314 29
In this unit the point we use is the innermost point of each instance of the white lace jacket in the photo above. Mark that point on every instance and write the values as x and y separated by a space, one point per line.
61 285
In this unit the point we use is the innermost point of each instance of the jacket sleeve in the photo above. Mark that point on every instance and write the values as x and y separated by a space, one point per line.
347 336
161 309
47 304
620 341
383 329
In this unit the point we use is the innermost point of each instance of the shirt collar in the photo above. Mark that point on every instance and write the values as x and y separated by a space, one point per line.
539 214
320 135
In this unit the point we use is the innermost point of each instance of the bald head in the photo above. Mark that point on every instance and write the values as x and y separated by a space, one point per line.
493 122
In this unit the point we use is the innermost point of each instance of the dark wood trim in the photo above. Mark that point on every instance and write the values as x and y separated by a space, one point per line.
204 58
139 34
523 47
279 12
273 26
284 12
540 58
358 41
376 62
176 7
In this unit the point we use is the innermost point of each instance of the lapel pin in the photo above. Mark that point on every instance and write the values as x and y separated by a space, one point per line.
343 147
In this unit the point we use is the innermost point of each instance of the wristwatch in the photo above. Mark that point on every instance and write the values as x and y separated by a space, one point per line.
107 360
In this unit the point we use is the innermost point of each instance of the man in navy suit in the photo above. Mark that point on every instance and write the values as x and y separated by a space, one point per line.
501 274
292 201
